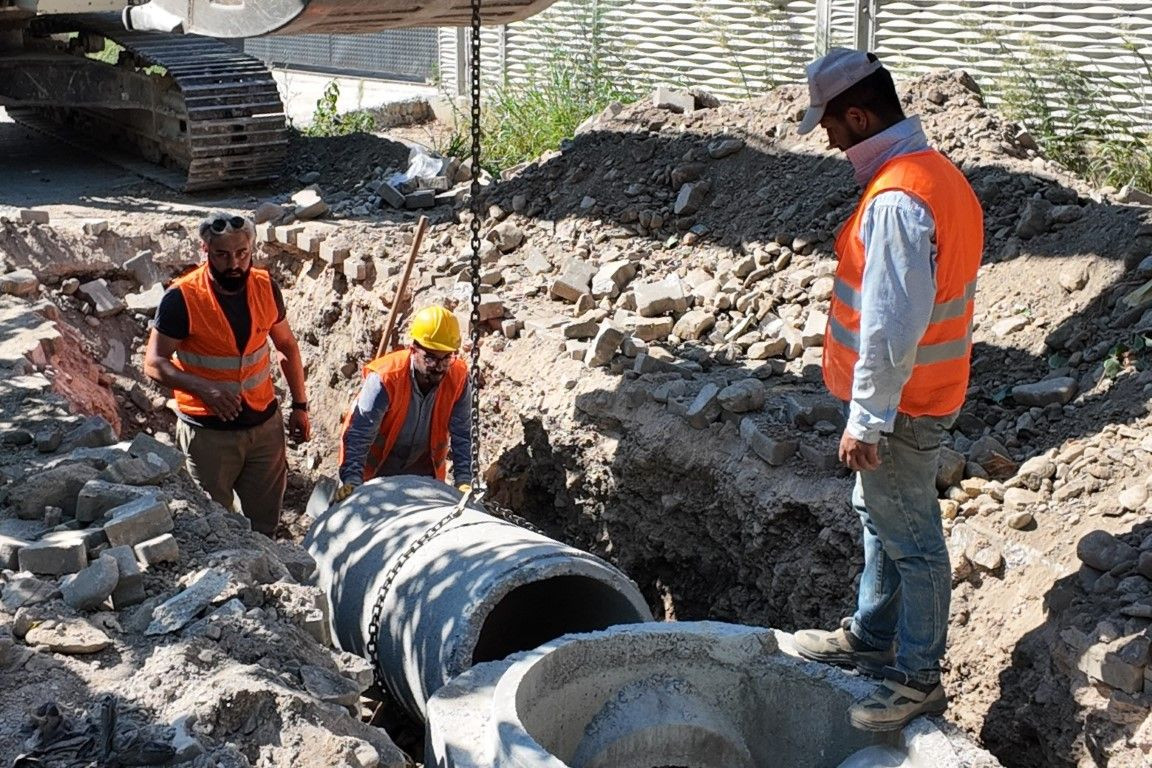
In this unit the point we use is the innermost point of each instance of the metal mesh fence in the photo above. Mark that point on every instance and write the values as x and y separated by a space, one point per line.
401 54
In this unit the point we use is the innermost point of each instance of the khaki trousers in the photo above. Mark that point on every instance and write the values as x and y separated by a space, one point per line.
253 463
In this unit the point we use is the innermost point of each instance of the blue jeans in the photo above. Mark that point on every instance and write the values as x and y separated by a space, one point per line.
906 585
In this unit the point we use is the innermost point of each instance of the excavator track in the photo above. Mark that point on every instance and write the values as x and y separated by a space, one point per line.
214 112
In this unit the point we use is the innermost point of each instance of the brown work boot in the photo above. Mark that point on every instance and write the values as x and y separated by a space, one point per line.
895 703
842 648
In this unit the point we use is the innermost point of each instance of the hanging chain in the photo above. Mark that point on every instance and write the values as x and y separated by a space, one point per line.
474 494
474 373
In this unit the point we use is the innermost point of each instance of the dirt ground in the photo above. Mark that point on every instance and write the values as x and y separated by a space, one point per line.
1048 639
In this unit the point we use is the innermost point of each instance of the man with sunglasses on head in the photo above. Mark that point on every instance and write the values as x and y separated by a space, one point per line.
209 343
412 404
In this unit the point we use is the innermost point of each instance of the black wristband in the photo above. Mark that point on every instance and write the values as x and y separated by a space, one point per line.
300 406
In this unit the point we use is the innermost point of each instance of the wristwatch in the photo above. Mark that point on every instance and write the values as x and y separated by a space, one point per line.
297 406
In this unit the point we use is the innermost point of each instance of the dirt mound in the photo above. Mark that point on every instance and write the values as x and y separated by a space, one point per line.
658 289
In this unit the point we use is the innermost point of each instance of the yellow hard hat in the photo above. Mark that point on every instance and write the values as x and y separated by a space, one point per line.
437 329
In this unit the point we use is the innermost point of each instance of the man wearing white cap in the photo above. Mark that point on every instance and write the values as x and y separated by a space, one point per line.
896 352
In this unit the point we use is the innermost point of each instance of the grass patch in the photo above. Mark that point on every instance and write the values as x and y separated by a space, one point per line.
1071 108
327 120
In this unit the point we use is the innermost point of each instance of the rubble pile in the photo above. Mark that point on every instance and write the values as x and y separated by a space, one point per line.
654 298
140 622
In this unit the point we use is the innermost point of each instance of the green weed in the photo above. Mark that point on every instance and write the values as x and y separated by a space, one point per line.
327 120
1070 109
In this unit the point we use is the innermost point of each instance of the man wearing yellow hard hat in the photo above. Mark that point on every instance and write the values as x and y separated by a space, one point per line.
412 405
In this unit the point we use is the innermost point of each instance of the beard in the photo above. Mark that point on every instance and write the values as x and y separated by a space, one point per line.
231 280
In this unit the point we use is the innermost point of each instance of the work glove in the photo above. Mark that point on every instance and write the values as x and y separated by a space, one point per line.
343 492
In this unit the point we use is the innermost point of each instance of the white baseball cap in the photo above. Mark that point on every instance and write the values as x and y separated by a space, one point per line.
831 75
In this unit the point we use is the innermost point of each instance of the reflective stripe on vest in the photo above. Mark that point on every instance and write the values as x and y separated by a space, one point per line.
395 372
210 350
940 375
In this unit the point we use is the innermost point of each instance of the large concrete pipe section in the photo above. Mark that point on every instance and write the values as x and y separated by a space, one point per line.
477 590
689 694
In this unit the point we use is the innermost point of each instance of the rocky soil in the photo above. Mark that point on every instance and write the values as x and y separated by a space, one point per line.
654 299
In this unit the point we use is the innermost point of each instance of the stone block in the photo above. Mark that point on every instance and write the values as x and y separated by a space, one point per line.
104 302
506 236
144 444
265 232
771 451
56 487
10 547
267 212
311 240
33 216
1103 551
653 328
95 227
694 324
690 197
358 269
89 588
130 586
573 281
585 326
660 298
390 195
491 308
97 497
820 456
93 432
26 590
138 521
537 263
176 612
333 252
20 282
287 233
949 468
705 408
421 198
612 278
604 345
53 557
1107 663
48 440
162 549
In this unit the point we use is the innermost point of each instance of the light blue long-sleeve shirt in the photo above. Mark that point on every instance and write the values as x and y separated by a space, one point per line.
898 290
411 453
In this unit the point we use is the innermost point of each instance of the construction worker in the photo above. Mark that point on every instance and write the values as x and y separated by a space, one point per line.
209 343
896 351
412 404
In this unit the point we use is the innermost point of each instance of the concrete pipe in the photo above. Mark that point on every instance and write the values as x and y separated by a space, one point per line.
478 590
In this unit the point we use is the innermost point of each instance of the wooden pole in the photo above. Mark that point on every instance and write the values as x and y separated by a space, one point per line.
390 326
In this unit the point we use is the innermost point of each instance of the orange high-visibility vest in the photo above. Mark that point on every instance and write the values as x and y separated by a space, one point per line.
394 370
210 351
940 376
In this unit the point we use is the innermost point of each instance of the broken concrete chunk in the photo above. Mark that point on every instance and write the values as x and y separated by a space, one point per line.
145 302
673 100
144 444
130 585
97 497
773 452
104 302
20 282
573 281
176 612
56 487
329 687
162 549
604 345
660 298
143 268
612 278
138 521
89 588
743 396
27 590
309 204
150 470
705 408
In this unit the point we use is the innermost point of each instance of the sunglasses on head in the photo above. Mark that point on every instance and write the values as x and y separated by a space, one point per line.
219 225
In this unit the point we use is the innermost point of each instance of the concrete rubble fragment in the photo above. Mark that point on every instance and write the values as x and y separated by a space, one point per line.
177 611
